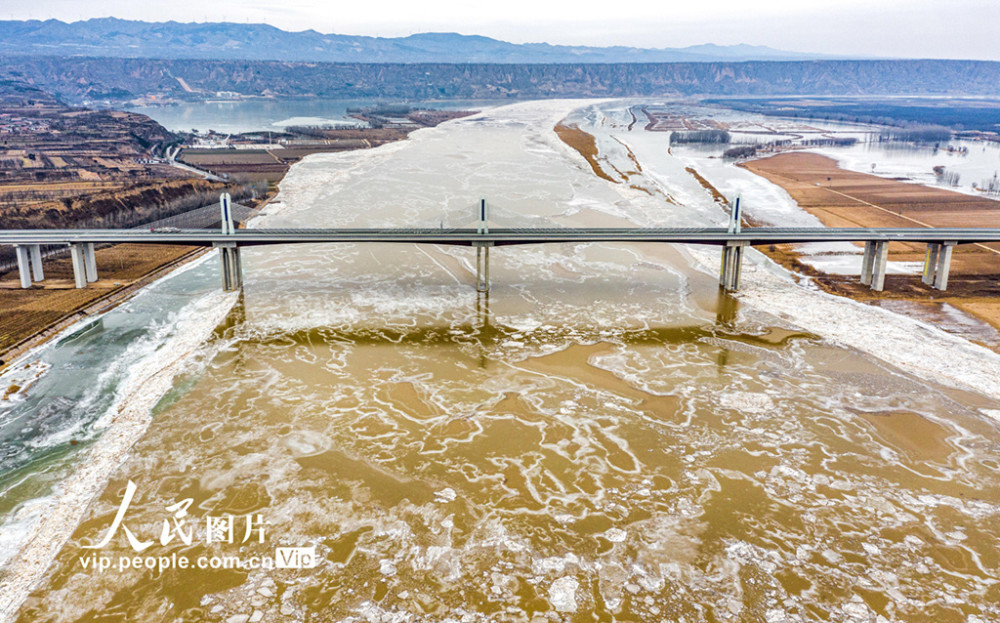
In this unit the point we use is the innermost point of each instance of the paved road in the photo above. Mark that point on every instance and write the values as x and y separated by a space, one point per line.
502 237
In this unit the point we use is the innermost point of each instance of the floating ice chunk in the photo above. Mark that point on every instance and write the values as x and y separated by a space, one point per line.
913 541
857 610
886 578
888 455
747 402
524 325
653 584
445 495
554 563
991 413
740 552
562 594
775 616
387 568
615 535
304 443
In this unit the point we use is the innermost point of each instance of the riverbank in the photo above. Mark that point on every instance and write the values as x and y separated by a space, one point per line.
35 315
842 198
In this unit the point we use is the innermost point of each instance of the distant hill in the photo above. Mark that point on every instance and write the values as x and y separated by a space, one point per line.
114 80
228 41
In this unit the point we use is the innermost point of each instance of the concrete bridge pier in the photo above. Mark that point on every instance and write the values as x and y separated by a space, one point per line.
867 262
37 274
879 264
732 253
930 263
232 267
23 268
90 262
732 265
943 266
482 267
483 249
873 264
937 264
76 253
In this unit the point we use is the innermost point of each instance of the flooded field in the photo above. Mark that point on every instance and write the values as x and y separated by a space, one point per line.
601 438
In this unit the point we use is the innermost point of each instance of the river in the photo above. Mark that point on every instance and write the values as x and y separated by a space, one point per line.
604 437
262 114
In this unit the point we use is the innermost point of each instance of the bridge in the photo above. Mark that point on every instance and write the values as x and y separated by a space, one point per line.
733 240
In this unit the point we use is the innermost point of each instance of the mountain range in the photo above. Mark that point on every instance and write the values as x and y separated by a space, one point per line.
104 81
112 37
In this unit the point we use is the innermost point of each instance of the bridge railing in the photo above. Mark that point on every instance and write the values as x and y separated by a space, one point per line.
193 228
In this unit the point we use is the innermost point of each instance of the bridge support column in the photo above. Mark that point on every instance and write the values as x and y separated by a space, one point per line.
79 265
732 265
867 263
483 249
930 263
482 268
937 264
232 267
90 262
879 263
23 269
37 273
943 266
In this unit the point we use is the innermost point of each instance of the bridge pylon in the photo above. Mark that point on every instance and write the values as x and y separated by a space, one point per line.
225 204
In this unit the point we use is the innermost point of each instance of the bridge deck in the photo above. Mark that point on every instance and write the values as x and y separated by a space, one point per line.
504 236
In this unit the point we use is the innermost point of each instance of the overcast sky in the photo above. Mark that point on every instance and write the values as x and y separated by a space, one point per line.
893 28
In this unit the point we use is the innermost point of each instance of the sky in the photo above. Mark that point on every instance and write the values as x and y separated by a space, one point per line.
966 29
